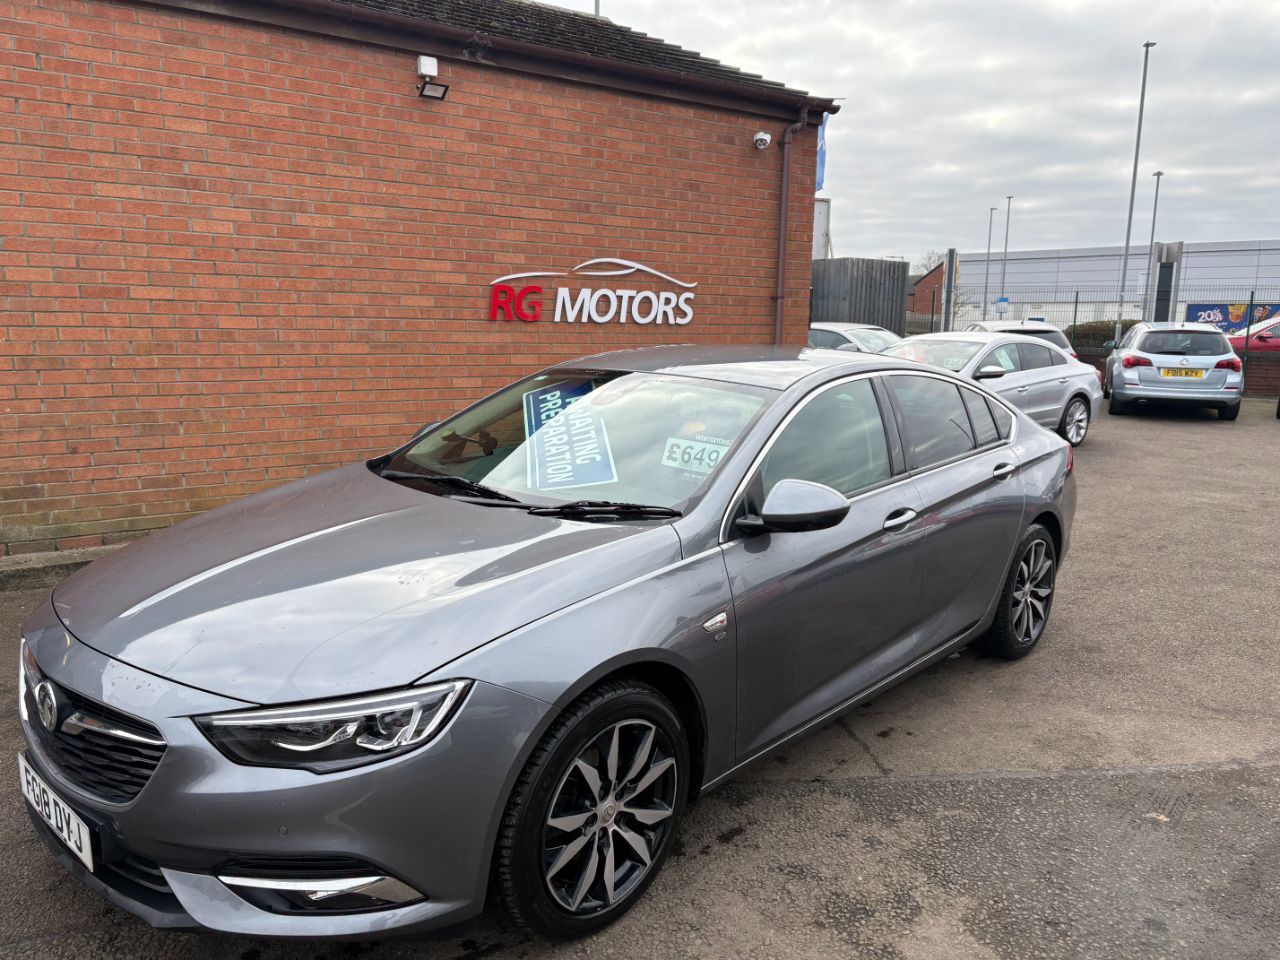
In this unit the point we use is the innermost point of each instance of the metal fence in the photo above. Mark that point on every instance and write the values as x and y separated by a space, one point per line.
1087 312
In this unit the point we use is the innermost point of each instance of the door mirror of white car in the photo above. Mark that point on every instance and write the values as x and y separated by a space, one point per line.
989 373
1109 345
794 506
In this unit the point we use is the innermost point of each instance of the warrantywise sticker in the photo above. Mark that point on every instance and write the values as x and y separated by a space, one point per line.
595 296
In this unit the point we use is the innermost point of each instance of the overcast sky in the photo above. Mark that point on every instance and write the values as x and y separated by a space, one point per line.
949 106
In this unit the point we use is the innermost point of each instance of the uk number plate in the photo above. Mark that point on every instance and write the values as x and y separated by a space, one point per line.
1182 372
61 819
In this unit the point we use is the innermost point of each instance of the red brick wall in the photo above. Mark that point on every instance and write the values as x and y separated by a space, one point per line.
929 286
232 254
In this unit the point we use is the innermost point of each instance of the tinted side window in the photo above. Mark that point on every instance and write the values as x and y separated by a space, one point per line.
1003 418
837 438
984 427
933 419
1034 357
1005 357
1056 337
825 338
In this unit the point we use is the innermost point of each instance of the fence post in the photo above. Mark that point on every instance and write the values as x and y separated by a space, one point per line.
1075 312
1248 319
933 307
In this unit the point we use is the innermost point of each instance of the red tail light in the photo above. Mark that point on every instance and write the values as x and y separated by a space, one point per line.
1131 361
1074 354
1231 363
1071 458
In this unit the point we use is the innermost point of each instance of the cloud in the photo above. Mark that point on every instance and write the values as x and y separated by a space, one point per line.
950 106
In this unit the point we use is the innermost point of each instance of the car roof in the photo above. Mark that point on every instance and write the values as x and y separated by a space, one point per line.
776 368
980 336
823 325
1012 326
1174 327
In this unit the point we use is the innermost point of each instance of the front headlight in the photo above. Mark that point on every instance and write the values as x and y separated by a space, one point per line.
338 734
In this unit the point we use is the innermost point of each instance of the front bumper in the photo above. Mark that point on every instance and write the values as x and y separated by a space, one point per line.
427 818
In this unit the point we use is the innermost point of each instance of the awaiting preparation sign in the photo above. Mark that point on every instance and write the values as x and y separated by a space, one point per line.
567 441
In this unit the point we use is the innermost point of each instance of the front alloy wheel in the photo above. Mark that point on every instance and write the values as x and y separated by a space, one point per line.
611 811
1075 422
593 815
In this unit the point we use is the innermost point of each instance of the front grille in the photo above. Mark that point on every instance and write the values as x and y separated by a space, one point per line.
104 764
144 873
308 866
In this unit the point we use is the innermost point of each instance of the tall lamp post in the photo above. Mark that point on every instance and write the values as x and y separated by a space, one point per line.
1004 257
986 273
1151 249
1133 188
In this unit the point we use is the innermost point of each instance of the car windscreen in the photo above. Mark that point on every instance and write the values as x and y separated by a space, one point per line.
872 341
592 435
948 354
1056 337
1184 343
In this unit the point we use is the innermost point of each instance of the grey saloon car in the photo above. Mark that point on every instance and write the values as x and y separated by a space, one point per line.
1185 364
501 659
1050 386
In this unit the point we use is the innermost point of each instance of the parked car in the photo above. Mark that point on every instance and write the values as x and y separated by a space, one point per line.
1190 364
506 655
857 336
1028 328
1264 337
1054 389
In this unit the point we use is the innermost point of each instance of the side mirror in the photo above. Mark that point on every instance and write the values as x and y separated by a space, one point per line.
424 431
854 348
794 506
1109 345
989 373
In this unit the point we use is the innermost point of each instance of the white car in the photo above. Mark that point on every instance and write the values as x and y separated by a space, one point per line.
1054 389
866 337
1027 328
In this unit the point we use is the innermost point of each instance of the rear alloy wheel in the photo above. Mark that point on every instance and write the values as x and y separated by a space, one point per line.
594 814
1075 422
1026 600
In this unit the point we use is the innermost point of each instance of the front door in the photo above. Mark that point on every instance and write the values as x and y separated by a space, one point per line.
823 614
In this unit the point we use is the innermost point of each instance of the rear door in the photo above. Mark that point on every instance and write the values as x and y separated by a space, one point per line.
970 485
1044 387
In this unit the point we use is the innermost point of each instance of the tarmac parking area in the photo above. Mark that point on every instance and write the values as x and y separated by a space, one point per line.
1114 795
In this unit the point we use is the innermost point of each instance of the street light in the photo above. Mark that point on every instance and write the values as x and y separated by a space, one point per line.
1004 259
986 273
1151 248
1133 188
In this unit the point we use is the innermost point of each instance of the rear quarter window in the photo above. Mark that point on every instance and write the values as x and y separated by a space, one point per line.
1056 337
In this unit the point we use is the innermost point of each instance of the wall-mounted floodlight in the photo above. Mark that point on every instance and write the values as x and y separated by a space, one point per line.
428 68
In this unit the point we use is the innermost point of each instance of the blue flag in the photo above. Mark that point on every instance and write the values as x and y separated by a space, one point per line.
822 153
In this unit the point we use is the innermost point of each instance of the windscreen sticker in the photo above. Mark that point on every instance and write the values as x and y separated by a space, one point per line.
567 441
698 454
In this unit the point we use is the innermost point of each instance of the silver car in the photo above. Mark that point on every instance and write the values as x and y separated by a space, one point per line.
1188 364
866 337
1054 389
500 660
1040 329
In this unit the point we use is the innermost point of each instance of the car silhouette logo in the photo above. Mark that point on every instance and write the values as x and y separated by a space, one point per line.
1183 361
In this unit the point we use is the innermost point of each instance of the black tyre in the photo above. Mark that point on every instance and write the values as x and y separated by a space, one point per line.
594 814
1231 412
1117 407
1026 600
1074 425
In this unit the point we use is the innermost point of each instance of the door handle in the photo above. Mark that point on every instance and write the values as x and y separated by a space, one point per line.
1022 389
899 518
1062 379
1003 470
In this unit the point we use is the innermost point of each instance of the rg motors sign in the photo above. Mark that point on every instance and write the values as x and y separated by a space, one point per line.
596 291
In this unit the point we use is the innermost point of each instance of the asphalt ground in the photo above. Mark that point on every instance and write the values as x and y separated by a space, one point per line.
1114 795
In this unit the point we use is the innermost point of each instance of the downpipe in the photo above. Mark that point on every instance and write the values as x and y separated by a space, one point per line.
784 218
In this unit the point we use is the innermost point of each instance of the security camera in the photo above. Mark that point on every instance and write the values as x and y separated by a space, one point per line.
428 68
761 140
